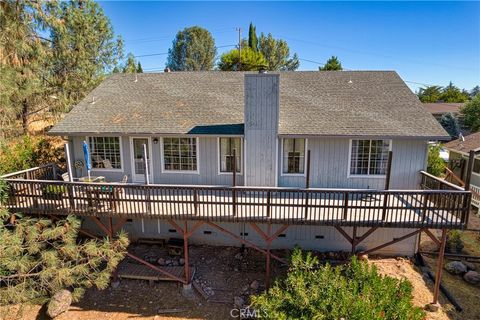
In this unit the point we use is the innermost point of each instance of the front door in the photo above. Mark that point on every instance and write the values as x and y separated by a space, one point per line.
138 163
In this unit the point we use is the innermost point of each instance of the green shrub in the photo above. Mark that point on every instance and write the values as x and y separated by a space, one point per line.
436 165
354 291
454 242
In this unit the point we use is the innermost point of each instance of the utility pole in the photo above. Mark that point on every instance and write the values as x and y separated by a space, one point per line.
239 67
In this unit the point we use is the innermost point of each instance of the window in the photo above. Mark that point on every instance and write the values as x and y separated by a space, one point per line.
293 156
105 152
180 154
227 145
369 157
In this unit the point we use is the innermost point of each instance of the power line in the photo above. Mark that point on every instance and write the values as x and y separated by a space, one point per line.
375 54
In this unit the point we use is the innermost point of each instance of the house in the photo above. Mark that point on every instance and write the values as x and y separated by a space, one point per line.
439 109
459 151
324 160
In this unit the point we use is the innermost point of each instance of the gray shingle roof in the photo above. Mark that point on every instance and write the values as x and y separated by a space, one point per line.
470 142
329 103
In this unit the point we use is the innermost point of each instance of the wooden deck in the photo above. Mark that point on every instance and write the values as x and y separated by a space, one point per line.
432 208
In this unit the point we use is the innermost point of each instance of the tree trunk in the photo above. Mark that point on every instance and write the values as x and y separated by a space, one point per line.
25 116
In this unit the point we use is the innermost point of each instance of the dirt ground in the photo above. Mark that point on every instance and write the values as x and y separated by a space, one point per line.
222 271
466 294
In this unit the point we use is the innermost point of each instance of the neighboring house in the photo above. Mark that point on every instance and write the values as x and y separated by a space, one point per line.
311 152
459 150
439 109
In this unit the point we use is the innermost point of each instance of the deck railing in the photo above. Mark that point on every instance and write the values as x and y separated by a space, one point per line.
445 208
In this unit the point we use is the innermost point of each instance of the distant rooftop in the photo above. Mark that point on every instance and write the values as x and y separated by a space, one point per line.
471 142
443 107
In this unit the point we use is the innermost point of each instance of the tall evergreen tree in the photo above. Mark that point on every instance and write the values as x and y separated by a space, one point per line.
252 37
475 91
23 58
84 47
139 68
332 64
130 65
450 123
193 49
277 54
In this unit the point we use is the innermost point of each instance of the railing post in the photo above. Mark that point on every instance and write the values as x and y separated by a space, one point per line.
389 170
425 206
269 195
234 201
195 201
307 178
345 205
385 205
234 169
471 159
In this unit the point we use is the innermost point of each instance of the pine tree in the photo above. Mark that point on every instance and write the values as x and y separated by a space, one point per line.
84 47
252 37
332 64
450 123
430 93
452 93
193 49
139 68
39 257
130 65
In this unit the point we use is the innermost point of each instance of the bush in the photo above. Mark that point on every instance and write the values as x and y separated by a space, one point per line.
435 165
454 242
353 291
26 153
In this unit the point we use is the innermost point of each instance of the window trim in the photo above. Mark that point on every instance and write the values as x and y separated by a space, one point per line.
363 176
304 174
120 141
162 157
219 172
473 172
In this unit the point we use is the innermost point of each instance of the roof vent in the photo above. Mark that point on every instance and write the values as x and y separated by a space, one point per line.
167 70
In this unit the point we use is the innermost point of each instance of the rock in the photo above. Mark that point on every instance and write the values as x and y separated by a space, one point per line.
161 261
456 267
174 263
470 266
59 303
238 302
254 285
181 261
115 284
239 256
432 307
363 257
472 277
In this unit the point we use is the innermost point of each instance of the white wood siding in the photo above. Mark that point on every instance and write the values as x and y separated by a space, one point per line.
329 166
261 127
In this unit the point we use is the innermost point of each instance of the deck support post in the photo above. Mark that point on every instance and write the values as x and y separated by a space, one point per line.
267 267
438 274
354 239
185 252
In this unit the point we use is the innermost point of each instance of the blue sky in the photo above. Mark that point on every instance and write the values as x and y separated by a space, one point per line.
425 42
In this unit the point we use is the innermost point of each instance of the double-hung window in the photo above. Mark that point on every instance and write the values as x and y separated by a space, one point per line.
180 154
293 156
227 148
105 152
369 157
